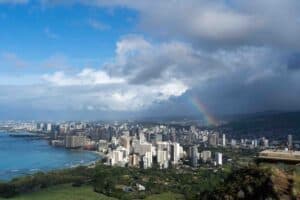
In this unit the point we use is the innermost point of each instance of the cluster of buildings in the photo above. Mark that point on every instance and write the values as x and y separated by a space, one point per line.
145 145
138 152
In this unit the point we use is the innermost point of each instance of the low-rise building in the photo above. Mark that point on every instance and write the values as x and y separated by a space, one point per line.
280 155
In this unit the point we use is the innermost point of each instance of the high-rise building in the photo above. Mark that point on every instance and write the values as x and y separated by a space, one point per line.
74 141
163 146
253 143
49 127
125 142
213 139
102 146
142 148
162 158
290 141
114 140
195 156
134 160
205 156
38 126
265 142
173 137
219 159
42 127
233 142
224 140
147 160
117 156
175 152
142 137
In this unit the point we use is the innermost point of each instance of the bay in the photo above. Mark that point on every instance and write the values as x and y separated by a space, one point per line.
22 156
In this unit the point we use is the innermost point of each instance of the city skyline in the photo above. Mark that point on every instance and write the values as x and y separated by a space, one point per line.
126 59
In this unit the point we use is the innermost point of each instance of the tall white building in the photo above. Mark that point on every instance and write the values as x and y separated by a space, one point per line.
162 158
255 143
224 140
118 156
142 137
49 127
219 159
147 160
175 152
114 141
205 156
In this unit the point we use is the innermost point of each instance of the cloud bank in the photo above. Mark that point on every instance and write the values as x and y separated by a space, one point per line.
235 56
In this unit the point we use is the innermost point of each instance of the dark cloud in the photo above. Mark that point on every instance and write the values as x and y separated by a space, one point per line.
220 23
294 62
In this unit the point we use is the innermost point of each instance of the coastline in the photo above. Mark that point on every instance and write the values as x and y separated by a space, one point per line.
60 160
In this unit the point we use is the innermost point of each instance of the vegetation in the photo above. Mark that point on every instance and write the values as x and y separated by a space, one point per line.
296 181
65 192
113 181
76 176
246 183
165 196
101 182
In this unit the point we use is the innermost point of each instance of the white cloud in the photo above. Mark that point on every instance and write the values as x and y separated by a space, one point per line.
98 25
85 77
144 73
107 89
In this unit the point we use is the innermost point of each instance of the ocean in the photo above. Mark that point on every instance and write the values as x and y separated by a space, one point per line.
21 156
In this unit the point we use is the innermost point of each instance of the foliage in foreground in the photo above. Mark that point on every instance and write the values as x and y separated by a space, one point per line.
63 192
241 183
40 180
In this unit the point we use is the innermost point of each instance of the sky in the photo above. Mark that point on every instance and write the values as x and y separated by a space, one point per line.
100 59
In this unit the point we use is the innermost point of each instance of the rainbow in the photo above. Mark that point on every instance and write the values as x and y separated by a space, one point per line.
203 110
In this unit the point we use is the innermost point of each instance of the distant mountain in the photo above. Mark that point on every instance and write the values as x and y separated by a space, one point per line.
270 124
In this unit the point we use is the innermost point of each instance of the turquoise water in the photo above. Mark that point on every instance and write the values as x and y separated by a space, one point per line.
22 156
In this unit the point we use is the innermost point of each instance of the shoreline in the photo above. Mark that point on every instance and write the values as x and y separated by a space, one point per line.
10 173
19 173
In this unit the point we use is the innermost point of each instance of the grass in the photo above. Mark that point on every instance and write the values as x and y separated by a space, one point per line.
67 192
165 196
63 192
296 179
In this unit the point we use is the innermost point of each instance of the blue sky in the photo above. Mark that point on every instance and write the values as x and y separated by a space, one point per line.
99 58
85 34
